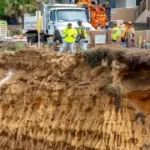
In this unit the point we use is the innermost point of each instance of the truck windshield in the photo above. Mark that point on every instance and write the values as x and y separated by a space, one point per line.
71 15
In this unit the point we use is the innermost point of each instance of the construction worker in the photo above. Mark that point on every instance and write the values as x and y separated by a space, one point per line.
57 39
116 33
106 26
129 34
122 32
69 35
82 35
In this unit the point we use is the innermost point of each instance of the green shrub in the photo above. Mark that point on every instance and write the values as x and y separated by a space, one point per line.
134 58
19 46
12 46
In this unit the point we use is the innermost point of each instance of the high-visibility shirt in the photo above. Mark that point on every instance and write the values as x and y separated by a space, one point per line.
69 35
116 34
129 31
82 31
123 31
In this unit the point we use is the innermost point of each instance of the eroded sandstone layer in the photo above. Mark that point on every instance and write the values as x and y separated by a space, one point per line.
50 101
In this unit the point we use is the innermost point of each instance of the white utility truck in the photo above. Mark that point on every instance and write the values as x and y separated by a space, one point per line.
55 16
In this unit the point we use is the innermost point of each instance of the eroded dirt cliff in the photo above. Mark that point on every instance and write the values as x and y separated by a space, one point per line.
50 101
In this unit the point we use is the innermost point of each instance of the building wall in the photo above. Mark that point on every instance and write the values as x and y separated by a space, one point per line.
120 3
130 3
113 3
126 14
125 3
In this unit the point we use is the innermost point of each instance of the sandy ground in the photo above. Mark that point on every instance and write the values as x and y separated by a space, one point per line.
51 101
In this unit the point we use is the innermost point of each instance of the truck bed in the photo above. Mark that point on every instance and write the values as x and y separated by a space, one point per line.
29 23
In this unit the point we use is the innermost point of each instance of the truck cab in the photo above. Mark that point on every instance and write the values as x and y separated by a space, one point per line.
58 18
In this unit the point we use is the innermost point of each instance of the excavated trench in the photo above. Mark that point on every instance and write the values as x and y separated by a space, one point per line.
52 101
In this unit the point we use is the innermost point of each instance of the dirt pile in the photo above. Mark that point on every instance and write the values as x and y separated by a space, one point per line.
62 102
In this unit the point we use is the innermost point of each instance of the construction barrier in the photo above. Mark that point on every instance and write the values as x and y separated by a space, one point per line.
3 29
100 37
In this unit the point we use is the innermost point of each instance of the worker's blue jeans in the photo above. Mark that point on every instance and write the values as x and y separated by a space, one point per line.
67 45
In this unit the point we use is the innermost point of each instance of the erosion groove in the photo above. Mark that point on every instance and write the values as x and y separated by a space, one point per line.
50 101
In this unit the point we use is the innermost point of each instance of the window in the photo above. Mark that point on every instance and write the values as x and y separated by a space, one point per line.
52 15
71 15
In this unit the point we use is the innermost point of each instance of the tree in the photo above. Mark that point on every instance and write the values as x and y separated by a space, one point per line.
14 7
17 8
2 8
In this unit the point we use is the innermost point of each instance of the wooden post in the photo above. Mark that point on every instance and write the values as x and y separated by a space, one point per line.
109 41
128 39
39 44
92 38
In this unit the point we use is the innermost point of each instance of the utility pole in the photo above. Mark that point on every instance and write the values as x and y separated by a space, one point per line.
39 27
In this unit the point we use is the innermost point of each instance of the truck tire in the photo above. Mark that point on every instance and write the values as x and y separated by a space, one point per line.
32 40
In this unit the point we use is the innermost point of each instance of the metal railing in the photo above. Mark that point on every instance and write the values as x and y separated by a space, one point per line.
140 10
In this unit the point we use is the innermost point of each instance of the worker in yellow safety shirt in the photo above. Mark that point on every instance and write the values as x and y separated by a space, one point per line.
116 33
82 35
69 35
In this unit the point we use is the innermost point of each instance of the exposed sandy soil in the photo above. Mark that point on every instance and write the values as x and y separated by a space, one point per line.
52 101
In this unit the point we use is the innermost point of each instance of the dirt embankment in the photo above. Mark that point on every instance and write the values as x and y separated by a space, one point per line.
59 102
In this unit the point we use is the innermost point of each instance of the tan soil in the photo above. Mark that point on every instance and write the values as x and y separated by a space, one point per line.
58 102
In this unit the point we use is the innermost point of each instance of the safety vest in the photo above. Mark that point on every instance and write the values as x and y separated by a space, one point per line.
82 31
116 34
69 35
123 31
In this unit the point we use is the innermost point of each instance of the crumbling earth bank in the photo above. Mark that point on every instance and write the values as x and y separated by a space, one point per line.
59 102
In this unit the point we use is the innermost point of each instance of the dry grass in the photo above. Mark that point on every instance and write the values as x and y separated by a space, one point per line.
133 57
115 92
